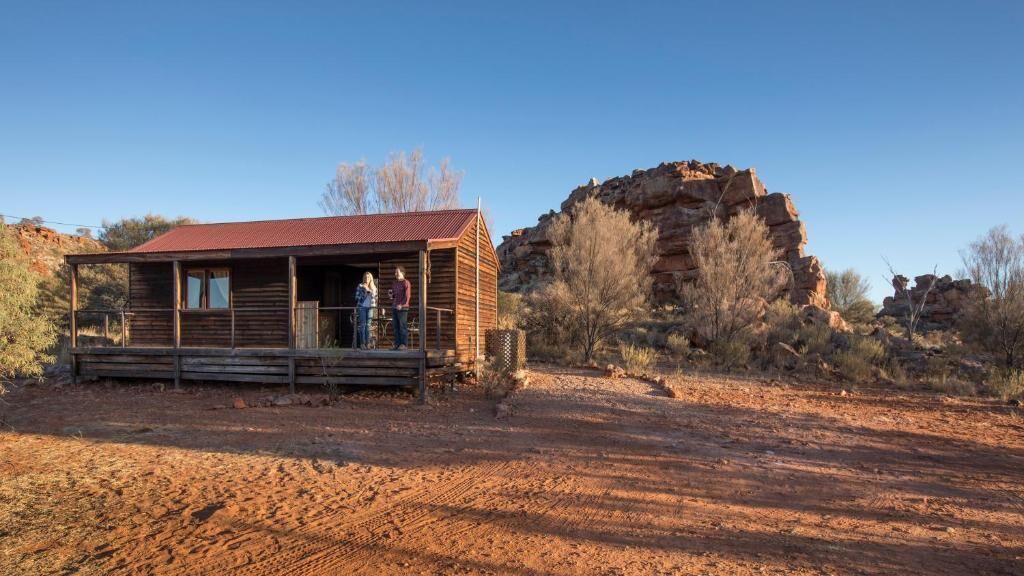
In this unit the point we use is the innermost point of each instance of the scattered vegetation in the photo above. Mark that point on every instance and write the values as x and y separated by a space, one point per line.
859 359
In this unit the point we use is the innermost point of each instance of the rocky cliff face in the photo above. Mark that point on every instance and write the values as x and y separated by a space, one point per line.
676 197
44 248
944 303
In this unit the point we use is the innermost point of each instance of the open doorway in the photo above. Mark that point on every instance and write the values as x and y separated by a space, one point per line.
332 286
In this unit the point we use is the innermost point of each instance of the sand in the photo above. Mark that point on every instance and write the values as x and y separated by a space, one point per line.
588 475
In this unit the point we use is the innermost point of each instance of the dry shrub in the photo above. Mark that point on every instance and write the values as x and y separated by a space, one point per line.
895 372
494 378
637 359
731 354
994 323
953 387
737 274
782 321
510 305
814 339
600 282
678 345
848 294
548 336
857 361
1006 384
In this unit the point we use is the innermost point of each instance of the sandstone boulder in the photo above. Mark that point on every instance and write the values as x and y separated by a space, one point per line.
822 317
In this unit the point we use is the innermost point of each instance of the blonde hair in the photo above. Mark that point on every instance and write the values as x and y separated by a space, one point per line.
370 284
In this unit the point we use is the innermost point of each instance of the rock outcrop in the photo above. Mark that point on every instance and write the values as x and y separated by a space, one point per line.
44 248
943 305
676 197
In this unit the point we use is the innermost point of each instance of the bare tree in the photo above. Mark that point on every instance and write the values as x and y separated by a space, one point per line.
915 303
349 192
737 274
444 186
399 185
994 319
601 263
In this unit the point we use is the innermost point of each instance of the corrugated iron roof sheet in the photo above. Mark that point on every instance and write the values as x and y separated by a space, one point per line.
325 231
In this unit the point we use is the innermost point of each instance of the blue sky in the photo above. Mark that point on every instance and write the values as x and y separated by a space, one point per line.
898 127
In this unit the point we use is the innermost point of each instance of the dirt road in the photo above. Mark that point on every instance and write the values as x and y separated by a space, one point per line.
589 476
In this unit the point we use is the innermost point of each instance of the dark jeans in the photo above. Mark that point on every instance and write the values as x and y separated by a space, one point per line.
401 323
364 327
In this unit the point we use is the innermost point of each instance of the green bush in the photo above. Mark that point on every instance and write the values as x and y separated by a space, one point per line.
25 336
637 359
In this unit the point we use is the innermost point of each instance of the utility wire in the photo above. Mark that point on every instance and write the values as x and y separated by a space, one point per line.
53 222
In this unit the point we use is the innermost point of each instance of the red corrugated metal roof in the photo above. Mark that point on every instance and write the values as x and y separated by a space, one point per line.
326 231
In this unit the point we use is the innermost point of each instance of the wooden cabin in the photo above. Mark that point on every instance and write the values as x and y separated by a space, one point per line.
274 301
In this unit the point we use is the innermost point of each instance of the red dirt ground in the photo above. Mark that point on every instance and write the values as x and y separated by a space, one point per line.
588 476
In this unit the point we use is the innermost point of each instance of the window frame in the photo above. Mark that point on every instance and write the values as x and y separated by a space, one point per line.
204 295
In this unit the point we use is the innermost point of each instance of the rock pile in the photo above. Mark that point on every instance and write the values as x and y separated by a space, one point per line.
943 305
676 197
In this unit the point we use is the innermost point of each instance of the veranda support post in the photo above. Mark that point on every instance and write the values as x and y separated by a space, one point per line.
423 324
73 322
176 295
291 323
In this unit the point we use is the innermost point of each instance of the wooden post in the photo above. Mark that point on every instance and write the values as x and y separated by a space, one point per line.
291 323
423 325
476 287
73 322
176 296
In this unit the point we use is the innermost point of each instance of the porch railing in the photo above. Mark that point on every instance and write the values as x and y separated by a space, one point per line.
114 327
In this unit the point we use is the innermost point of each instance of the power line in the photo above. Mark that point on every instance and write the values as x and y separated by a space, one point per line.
51 221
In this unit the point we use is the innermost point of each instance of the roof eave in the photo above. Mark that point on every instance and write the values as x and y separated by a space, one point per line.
250 253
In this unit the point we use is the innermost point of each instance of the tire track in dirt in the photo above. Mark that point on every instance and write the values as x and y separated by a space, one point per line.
324 545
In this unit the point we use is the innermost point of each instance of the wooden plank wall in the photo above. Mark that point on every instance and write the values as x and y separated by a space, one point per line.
150 287
254 283
466 310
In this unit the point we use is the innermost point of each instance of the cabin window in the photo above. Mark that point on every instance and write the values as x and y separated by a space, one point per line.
208 288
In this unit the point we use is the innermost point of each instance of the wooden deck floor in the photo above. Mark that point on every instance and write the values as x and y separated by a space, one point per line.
265 365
